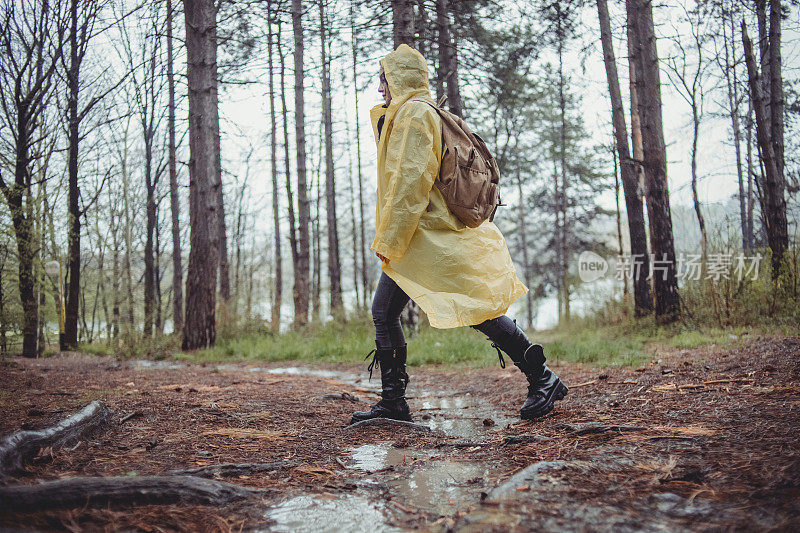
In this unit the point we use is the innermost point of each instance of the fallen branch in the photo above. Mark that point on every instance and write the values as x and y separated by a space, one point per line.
121 491
593 430
231 469
342 396
586 384
389 422
463 444
523 439
18 447
732 380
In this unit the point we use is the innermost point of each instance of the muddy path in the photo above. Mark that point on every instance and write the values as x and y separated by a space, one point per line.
696 440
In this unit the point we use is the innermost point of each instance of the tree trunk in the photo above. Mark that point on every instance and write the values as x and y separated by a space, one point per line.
301 273
403 22
640 19
201 47
763 46
629 169
73 285
334 264
362 232
224 264
149 259
276 303
773 208
562 105
732 86
522 225
286 162
174 201
776 102
447 71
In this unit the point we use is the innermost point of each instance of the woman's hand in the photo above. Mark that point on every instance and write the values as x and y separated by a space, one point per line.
382 257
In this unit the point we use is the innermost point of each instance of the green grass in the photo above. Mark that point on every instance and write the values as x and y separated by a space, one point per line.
587 340
337 342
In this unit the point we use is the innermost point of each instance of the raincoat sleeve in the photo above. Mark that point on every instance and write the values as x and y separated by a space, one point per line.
411 168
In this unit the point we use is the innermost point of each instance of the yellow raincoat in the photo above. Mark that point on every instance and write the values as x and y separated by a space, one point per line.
459 276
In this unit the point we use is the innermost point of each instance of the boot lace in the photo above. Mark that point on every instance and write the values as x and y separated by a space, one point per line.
374 363
499 354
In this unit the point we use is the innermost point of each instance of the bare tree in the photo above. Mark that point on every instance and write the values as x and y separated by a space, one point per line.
687 75
32 43
201 47
83 20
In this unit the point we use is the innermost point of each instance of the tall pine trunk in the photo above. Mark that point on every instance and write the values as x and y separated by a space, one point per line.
73 285
648 90
278 296
301 274
334 264
362 231
629 169
174 201
201 48
773 207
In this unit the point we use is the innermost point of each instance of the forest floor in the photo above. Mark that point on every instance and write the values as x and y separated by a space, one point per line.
703 439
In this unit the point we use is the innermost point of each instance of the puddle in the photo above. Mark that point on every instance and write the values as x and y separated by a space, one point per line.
461 416
374 457
440 486
319 515
343 377
157 365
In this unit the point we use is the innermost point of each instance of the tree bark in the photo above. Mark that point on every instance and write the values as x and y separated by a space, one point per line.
447 69
403 22
21 446
276 302
286 161
175 208
362 231
201 46
773 206
122 491
73 285
301 274
776 102
648 90
629 168
334 263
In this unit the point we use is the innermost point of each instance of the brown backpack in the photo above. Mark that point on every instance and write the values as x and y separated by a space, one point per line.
468 176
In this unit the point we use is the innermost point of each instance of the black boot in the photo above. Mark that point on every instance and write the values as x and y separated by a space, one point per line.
544 386
392 362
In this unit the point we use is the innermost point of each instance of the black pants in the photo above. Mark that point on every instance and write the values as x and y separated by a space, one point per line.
390 300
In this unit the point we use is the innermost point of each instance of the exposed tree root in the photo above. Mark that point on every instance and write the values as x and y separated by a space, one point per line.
231 469
18 447
121 491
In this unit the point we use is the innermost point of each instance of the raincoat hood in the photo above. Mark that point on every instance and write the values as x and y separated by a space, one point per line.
406 72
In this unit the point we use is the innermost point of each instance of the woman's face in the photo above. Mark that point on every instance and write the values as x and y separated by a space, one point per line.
383 88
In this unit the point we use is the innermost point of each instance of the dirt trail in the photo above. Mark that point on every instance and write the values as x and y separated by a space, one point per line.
701 439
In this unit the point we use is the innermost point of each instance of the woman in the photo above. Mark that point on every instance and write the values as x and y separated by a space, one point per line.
459 276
